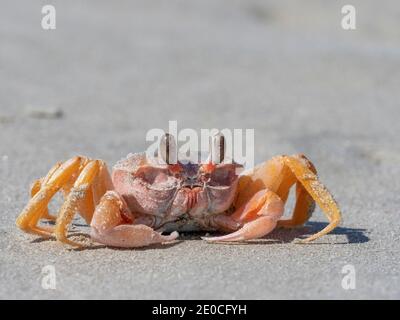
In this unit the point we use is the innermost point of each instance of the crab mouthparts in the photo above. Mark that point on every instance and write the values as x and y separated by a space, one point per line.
192 196
189 185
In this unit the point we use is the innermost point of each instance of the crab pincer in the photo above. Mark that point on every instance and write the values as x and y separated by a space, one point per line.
256 218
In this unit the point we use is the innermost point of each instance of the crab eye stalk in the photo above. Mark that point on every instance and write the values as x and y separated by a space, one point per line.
218 148
167 149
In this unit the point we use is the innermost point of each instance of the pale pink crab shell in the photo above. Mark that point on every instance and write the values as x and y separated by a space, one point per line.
148 188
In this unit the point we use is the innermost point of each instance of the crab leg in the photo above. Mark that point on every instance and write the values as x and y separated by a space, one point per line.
279 175
109 225
35 188
318 192
303 209
79 196
101 185
258 217
37 206
305 203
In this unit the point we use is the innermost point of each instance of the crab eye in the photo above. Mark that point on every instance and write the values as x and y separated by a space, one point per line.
217 148
207 168
167 149
205 177
175 169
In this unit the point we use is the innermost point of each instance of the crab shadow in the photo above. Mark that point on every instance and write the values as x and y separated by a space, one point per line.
278 236
352 235
281 235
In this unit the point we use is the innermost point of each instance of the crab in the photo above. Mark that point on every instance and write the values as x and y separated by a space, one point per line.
145 198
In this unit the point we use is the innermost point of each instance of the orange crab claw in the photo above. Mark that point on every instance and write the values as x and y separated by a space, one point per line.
258 217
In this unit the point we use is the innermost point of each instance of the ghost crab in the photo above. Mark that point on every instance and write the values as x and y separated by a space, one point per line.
145 197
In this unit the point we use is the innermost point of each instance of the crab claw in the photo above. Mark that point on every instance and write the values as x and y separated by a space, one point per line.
260 217
131 236
251 230
108 226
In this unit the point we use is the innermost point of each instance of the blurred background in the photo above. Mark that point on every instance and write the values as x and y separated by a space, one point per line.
111 71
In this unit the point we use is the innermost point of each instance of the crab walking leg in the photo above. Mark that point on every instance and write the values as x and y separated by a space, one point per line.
305 203
109 227
102 183
303 209
318 192
279 174
37 185
37 205
260 216
35 188
77 197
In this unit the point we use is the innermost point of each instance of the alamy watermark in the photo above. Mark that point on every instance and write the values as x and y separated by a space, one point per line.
349 280
49 280
238 145
49 17
348 21
349 17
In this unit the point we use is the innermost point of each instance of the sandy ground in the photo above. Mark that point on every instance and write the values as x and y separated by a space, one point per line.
287 70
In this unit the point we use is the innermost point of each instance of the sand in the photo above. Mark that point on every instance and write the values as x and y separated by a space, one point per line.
109 73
